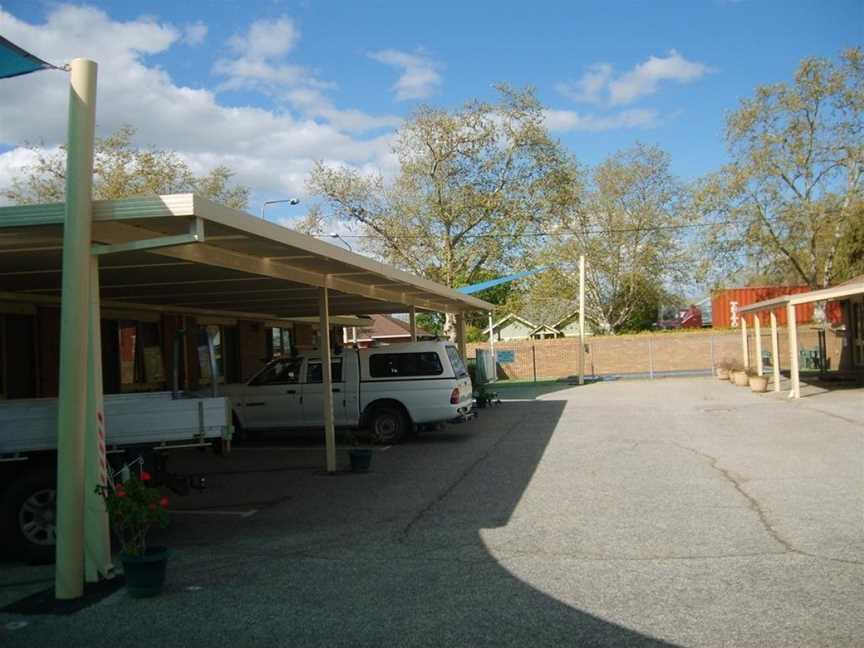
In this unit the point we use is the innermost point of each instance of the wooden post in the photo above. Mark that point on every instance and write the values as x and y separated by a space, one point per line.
744 350
327 379
792 325
494 376
74 332
775 351
757 334
412 323
460 336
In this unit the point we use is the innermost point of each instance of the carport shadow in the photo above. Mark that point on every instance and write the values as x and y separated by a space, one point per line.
399 558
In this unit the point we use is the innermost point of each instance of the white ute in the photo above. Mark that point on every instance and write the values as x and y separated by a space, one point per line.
388 389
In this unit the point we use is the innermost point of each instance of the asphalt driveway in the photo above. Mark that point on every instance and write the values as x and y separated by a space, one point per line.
669 512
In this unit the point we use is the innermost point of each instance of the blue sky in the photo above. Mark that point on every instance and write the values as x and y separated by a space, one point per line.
268 87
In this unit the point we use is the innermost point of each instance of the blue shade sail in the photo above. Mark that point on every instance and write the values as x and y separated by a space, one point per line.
15 61
483 285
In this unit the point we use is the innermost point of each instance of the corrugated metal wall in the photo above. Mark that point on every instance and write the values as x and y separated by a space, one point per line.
722 305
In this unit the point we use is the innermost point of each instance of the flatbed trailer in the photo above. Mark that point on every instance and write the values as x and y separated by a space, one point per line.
148 425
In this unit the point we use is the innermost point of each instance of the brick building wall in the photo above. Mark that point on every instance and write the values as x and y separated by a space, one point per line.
644 354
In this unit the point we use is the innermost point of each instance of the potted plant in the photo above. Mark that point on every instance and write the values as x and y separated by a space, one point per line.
724 367
360 457
133 507
738 376
758 384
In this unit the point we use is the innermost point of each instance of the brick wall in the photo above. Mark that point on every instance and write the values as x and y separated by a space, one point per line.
629 354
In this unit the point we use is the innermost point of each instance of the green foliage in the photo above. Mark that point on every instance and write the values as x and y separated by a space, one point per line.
122 170
133 507
789 204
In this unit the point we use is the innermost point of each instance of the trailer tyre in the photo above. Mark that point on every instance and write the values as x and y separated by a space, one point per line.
387 424
28 516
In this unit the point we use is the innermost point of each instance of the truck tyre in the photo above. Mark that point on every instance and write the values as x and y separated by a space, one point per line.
28 516
387 424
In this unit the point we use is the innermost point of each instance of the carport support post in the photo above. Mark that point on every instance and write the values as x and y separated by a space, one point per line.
74 323
327 377
412 323
582 319
97 540
792 326
744 350
757 335
775 352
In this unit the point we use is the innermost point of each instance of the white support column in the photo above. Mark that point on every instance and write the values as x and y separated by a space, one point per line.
744 350
97 539
792 328
775 352
72 401
412 323
460 335
757 336
326 373
582 320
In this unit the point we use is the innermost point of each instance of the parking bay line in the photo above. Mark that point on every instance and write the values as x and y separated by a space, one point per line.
299 448
243 514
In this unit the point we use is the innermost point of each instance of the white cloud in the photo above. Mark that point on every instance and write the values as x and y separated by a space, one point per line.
195 33
569 120
420 77
597 85
645 77
271 151
588 89
266 39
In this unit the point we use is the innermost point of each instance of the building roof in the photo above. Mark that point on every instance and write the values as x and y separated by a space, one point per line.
507 318
545 328
384 327
187 254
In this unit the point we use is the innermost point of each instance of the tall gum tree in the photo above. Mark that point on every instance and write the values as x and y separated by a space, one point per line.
474 189
789 203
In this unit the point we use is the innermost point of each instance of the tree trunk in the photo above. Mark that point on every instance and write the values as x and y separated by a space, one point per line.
450 326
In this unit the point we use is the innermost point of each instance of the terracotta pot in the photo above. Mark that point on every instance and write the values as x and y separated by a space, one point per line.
759 384
722 373
740 378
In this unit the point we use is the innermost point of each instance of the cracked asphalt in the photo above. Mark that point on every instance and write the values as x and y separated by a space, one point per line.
642 513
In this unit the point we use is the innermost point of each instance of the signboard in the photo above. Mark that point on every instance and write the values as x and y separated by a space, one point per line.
505 357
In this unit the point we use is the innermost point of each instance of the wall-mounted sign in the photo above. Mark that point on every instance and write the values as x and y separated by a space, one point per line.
505 357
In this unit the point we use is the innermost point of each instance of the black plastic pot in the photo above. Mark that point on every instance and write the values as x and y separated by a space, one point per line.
361 458
145 575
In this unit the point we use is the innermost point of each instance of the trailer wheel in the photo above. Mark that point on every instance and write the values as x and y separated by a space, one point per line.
387 424
28 516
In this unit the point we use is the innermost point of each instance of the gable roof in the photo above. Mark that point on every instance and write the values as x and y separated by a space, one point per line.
545 328
507 318
566 318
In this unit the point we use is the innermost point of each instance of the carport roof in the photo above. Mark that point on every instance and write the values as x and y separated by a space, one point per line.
841 291
219 260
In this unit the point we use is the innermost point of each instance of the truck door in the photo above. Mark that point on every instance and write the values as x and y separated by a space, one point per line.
272 398
313 394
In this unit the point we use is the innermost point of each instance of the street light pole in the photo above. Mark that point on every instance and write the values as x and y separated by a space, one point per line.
290 201
339 236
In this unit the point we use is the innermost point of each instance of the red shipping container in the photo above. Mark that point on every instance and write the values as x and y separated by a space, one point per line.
727 301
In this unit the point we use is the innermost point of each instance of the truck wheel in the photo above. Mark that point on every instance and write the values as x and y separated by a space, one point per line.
387 424
28 516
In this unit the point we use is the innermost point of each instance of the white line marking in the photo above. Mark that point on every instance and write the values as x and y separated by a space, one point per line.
243 514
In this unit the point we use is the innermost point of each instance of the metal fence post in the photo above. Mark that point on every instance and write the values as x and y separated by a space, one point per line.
651 357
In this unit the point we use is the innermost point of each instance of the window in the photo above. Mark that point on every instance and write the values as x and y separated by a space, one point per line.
141 363
279 372
313 372
456 362
281 342
397 365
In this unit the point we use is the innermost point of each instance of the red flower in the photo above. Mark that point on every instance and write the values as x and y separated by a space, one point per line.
163 502
121 493
145 476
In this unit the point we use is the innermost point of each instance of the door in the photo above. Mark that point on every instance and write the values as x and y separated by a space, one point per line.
272 398
313 394
857 333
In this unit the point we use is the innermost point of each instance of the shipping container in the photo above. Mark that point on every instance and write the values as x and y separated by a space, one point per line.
726 302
